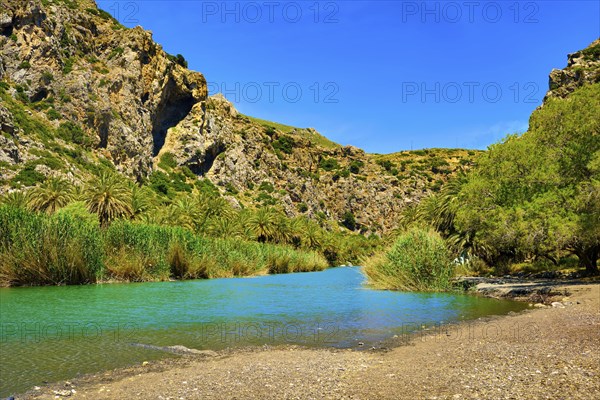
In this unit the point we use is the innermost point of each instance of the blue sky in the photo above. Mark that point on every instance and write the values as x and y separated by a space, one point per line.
381 75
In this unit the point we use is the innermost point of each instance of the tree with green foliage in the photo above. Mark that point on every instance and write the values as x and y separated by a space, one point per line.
15 199
312 237
539 194
211 208
328 164
51 195
109 197
264 223
143 200
184 212
226 228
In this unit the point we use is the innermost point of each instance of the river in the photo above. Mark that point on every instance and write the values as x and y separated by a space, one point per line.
53 333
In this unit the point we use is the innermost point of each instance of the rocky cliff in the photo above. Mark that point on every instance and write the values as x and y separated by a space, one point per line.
83 66
583 67
80 92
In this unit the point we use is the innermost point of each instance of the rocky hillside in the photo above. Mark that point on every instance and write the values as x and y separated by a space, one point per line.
583 67
80 93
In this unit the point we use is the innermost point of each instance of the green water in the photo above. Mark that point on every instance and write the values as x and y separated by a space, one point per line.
53 333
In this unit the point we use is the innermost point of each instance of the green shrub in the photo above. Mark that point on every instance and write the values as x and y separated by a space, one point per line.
169 184
231 189
284 144
591 53
178 59
50 161
266 199
47 77
159 182
79 211
179 182
266 187
28 176
68 66
328 164
101 69
269 130
207 187
418 260
71 132
107 16
167 161
386 164
117 51
21 95
52 114
349 221
188 172
355 166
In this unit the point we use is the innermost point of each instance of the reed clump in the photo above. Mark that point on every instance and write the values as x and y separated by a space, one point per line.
417 261
37 249
65 248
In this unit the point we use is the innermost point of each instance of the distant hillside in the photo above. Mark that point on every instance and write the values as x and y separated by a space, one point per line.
81 93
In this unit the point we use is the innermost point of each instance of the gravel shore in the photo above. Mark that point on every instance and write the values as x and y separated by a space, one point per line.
547 352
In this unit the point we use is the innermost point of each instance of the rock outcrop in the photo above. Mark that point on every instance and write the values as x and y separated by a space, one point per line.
117 83
583 67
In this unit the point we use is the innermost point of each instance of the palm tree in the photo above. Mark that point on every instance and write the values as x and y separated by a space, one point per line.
17 199
297 227
243 217
283 233
217 207
263 224
51 196
142 200
109 197
183 212
313 236
409 215
440 210
226 228
170 215
151 218
211 207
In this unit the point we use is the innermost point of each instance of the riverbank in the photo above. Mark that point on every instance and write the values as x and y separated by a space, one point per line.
550 352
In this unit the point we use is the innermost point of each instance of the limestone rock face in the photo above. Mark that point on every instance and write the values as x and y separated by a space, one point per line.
239 155
583 67
119 84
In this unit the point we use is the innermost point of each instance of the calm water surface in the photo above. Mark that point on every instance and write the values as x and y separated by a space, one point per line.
53 333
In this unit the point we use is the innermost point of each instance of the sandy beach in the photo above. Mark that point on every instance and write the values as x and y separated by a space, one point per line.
546 352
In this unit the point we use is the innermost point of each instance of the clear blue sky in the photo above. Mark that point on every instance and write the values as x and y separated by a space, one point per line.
380 75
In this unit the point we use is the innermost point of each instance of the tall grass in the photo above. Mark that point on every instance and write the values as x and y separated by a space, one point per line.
417 261
37 249
173 252
47 250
